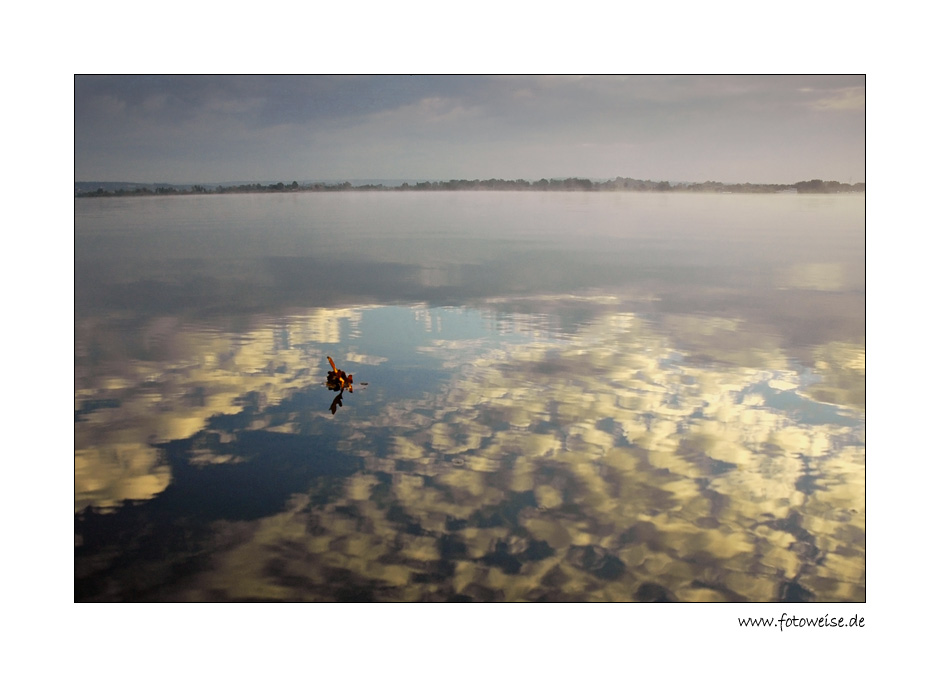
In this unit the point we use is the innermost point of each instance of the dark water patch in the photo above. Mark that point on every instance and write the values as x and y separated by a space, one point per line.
143 547
715 467
436 572
342 585
292 550
355 594
282 572
791 524
537 551
791 591
451 547
805 545
135 554
653 592
460 598
547 596
381 492
397 514
596 561
502 559
455 524
806 550
807 483
481 593
348 510
274 466
88 406
505 513
609 426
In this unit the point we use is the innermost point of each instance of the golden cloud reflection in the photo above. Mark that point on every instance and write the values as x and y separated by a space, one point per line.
604 465
842 367
189 374
107 475
608 466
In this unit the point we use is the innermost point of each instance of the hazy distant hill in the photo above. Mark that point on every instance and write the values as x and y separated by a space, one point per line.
112 186
120 188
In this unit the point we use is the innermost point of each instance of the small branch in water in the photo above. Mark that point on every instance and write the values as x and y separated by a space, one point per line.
338 380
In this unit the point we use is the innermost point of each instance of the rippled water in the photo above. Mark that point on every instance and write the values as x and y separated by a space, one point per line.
570 397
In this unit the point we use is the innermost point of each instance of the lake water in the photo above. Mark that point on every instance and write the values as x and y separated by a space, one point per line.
571 396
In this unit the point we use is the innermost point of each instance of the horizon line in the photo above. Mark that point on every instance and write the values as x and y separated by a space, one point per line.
338 181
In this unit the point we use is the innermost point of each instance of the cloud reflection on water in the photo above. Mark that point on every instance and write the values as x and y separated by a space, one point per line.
613 461
182 377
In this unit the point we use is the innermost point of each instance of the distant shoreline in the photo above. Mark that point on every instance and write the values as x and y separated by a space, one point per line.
127 189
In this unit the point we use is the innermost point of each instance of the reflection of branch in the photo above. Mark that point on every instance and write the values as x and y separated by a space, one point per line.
338 400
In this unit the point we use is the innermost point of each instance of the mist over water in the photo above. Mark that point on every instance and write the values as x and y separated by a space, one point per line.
584 396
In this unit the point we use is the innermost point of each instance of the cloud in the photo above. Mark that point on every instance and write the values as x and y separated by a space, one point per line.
439 127
844 99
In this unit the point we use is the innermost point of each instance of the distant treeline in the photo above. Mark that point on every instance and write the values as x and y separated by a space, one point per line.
572 184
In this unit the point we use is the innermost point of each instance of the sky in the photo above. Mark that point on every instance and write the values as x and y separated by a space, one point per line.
192 129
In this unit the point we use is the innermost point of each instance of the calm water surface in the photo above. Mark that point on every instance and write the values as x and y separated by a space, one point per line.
572 396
